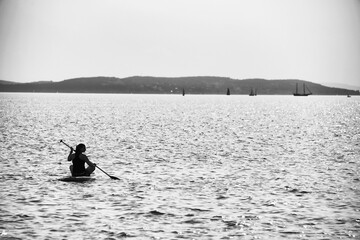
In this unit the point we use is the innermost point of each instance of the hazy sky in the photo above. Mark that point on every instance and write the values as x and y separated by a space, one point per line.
314 40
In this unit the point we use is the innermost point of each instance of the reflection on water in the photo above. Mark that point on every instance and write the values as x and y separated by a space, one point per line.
202 167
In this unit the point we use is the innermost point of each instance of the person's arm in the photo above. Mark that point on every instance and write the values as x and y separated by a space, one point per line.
71 155
88 161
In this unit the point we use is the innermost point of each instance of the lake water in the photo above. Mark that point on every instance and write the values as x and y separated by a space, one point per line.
193 167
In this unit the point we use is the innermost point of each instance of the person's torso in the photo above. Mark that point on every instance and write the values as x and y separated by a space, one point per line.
78 165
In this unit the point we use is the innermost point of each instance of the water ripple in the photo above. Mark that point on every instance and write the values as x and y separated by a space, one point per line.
194 167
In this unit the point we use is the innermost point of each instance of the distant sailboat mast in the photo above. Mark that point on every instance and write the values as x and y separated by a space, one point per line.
252 92
304 91
304 88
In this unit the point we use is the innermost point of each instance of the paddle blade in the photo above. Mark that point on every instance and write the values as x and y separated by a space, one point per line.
115 178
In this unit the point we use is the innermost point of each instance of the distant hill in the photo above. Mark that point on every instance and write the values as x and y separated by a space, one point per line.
6 82
161 85
341 85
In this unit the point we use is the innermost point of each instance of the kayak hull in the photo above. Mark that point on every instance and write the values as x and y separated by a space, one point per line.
77 179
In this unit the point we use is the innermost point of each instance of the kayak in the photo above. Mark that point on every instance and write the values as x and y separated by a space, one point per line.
77 179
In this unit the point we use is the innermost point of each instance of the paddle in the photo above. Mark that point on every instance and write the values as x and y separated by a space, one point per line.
112 177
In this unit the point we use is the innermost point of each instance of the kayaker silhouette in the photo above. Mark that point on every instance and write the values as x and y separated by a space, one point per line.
78 162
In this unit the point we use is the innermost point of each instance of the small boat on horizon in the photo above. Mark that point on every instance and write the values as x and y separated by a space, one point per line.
304 91
253 93
228 92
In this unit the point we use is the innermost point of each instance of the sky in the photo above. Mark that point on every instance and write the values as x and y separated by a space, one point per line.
54 40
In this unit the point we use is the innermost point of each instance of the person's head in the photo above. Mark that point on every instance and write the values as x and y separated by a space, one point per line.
80 148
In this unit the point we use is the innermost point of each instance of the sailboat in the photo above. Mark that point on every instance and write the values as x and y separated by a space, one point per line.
296 93
253 93
228 92
183 92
